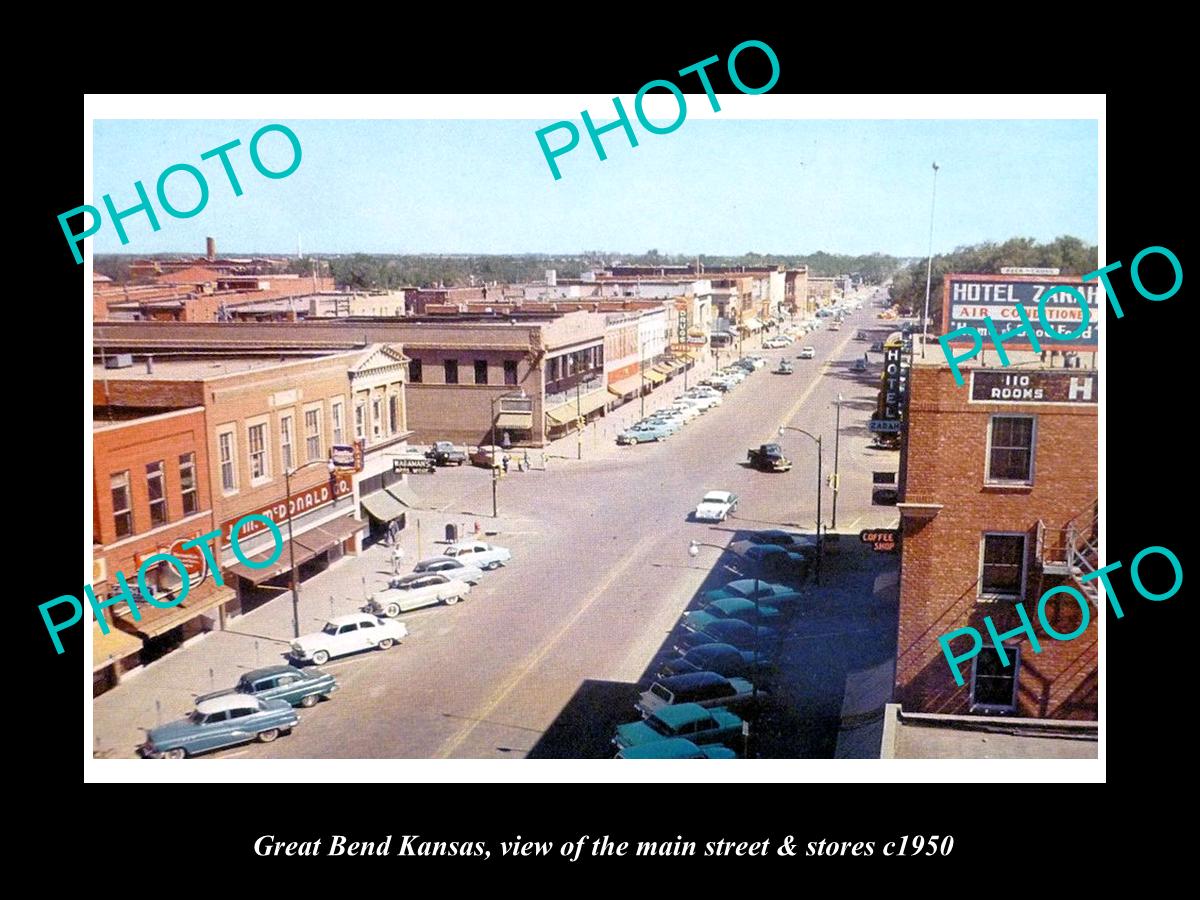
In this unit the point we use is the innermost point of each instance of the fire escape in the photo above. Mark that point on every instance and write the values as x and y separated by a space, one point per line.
1073 551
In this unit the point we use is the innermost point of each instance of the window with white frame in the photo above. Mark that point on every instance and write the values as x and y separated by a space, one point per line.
337 413
1011 441
156 491
260 463
360 418
312 433
187 483
227 454
122 504
1002 570
994 685
376 417
286 436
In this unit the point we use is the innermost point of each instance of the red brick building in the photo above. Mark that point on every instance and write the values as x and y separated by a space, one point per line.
998 489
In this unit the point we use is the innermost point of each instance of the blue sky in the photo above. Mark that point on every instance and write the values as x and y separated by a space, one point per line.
712 186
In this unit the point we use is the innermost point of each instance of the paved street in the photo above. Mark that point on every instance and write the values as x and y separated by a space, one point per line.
544 654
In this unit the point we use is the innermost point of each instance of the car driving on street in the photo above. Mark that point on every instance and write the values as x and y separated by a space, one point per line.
716 506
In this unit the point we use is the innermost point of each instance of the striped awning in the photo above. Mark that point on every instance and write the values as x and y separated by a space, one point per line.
565 413
515 421
624 386
655 377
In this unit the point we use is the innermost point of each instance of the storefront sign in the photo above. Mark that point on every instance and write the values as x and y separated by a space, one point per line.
969 300
336 487
344 457
192 558
1067 387
884 425
412 464
882 540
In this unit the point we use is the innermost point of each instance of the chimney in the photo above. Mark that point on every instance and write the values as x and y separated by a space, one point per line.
212 248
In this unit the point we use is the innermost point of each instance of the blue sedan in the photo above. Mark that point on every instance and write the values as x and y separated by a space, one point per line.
220 722
644 432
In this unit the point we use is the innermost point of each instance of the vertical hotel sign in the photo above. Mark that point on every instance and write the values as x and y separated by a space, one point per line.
892 392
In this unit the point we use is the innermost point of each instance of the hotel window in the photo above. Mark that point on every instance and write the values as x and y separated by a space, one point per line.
1003 568
312 434
122 507
481 371
360 419
339 432
1011 440
156 490
414 371
226 451
994 686
285 442
377 417
260 466
187 483
394 413
451 368
510 371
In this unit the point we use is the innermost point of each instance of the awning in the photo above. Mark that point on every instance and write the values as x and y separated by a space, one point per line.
515 421
402 492
664 367
155 621
566 413
624 386
109 648
696 332
655 377
309 544
383 506
752 324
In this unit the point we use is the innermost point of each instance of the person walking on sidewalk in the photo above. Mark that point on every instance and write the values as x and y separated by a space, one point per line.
397 559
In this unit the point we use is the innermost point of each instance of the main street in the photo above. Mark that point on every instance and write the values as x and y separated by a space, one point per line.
600 571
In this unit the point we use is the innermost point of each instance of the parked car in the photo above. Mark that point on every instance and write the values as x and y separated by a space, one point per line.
686 410
463 570
744 587
479 553
716 506
725 659
718 383
768 458
444 453
741 634
220 722
347 634
762 613
774 343
417 590
806 353
690 720
676 748
784 368
644 432
702 688
798 542
705 399
489 456
779 561
298 687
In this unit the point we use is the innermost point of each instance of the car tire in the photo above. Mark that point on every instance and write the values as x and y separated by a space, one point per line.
175 753
310 701
320 657
451 599
392 611
268 736
386 644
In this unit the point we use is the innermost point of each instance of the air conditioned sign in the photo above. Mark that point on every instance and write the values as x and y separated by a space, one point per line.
1034 387
970 300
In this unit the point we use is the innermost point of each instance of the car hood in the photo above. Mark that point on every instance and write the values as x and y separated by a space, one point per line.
311 641
635 734
172 731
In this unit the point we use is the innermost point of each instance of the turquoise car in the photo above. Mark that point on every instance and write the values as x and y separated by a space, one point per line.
644 432
298 687
220 722
731 608
676 748
686 720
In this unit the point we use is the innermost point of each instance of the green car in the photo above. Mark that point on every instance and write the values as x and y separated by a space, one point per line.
685 720
298 687
676 748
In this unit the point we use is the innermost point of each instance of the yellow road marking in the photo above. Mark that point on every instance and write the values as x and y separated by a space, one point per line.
812 387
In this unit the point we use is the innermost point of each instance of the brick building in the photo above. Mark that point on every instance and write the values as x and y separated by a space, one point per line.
998 490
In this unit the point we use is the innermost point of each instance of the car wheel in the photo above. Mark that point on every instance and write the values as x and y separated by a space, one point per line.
385 644
310 701
451 599
320 657
392 611
269 735
175 753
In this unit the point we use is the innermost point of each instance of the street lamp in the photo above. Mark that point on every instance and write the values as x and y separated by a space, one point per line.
929 265
820 542
287 487
495 400
837 433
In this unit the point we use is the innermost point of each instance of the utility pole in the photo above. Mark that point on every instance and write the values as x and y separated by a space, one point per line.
837 433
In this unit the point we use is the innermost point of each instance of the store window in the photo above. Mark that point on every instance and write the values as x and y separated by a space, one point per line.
187 483
994 685
1003 571
156 490
1011 450
122 506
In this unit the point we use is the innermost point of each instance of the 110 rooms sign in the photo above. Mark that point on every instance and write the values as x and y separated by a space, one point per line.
969 300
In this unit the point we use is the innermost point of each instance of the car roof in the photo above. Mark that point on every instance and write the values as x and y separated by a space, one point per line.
690 680
437 559
352 617
712 651
268 671
681 713
748 584
718 496
668 748
226 702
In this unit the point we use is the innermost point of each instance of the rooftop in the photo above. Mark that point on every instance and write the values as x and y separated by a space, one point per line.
929 736
988 358
188 367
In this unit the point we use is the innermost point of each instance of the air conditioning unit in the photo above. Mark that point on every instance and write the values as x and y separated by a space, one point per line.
119 361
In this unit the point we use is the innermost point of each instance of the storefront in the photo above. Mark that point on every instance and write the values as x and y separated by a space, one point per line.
587 406
385 499
164 630
113 654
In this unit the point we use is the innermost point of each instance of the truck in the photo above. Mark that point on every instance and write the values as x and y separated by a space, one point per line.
444 453
768 458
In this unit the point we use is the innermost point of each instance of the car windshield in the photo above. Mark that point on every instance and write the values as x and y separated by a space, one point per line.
329 628
715 497
661 692
196 718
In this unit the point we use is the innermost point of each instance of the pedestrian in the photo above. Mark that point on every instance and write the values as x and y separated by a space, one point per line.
505 463
397 559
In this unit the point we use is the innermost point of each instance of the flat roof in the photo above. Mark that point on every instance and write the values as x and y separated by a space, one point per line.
929 736
194 368
113 417
987 357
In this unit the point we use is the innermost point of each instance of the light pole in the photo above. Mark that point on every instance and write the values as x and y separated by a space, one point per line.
495 400
837 433
578 424
694 551
929 265
820 541
287 487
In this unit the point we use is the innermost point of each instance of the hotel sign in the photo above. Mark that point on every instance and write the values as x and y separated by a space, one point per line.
1041 386
970 299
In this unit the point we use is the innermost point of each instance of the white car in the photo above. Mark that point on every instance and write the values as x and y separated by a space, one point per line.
705 401
806 353
417 590
347 634
686 409
462 569
716 506
479 554
775 343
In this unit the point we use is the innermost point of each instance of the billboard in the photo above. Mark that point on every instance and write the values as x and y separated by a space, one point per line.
1057 387
967 300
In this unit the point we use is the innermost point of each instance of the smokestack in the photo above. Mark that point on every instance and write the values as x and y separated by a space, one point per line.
211 248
